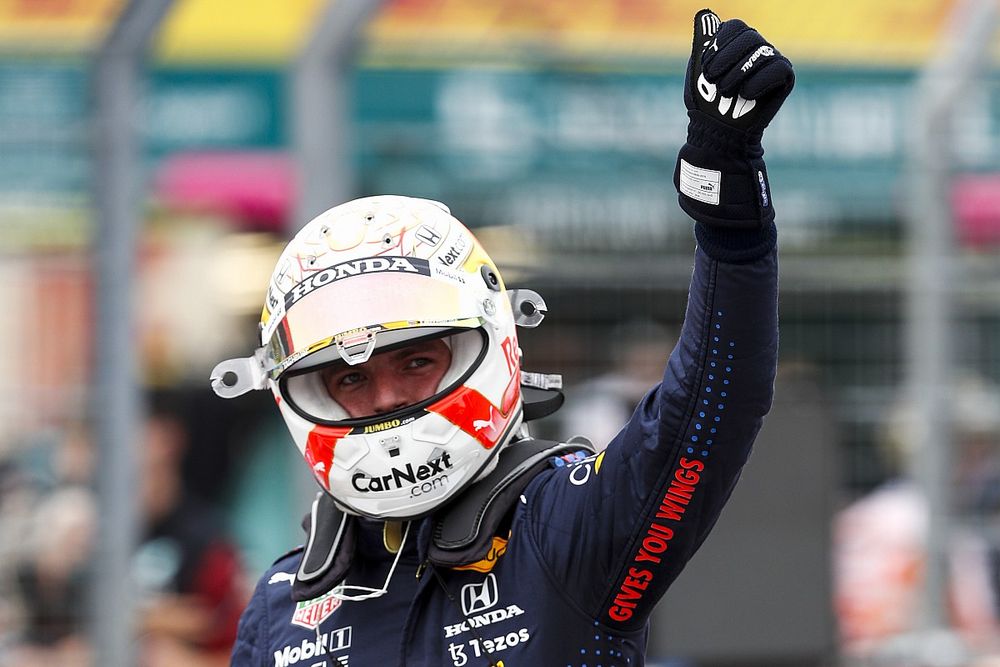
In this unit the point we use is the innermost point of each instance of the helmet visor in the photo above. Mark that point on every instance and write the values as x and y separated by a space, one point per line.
397 380
327 310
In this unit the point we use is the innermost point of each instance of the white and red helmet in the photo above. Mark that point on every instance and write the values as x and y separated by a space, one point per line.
363 277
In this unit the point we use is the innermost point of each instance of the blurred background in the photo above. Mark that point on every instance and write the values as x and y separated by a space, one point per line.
155 156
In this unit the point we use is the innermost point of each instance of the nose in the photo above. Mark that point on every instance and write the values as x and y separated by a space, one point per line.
388 396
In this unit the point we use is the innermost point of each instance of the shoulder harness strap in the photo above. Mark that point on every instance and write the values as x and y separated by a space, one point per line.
329 550
462 532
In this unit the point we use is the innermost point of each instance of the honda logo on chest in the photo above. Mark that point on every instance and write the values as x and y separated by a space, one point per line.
480 597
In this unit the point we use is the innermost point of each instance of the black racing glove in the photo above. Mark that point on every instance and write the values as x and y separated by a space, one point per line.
735 84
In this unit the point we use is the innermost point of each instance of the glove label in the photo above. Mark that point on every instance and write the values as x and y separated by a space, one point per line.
762 51
764 199
700 184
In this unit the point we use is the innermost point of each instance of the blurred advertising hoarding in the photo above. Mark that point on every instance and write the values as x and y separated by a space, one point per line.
858 32
502 108
599 32
496 138
54 26
496 143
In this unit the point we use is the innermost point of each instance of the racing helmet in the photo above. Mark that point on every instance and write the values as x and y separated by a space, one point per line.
365 278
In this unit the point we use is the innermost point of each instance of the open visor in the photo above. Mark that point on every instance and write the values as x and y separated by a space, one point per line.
349 318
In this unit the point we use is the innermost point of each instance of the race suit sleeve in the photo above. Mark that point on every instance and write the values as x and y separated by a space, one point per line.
252 634
615 530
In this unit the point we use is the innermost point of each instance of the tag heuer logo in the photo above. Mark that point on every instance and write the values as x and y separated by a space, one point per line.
311 613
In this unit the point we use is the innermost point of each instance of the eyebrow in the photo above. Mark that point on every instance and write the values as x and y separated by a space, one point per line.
394 355
422 346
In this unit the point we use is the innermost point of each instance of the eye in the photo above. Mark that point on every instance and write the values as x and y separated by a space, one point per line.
342 380
348 379
419 362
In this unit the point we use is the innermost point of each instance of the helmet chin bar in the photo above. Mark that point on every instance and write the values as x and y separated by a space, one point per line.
235 377
528 306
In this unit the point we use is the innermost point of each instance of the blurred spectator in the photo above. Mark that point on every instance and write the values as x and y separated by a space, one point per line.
188 571
52 579
47 527
597 408
879 540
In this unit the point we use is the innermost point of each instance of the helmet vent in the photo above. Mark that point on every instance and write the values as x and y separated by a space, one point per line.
490 277
391 445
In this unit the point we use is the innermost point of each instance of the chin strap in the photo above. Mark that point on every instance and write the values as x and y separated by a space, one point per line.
462 532
340 591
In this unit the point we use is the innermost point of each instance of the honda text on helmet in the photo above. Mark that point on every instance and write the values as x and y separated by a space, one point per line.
389 282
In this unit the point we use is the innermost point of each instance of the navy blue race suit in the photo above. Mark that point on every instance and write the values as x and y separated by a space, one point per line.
592 544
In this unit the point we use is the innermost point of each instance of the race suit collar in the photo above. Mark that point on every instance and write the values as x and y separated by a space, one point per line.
459 534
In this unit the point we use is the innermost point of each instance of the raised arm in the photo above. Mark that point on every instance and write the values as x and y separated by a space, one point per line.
638 511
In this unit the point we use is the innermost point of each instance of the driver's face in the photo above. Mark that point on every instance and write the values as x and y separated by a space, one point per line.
389 380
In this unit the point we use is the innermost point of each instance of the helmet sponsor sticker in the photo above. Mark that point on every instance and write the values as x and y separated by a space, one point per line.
356 267
448 274
310 613
490 423
423 478
319 450
457 252
428 235
473 413
275 315
381 426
